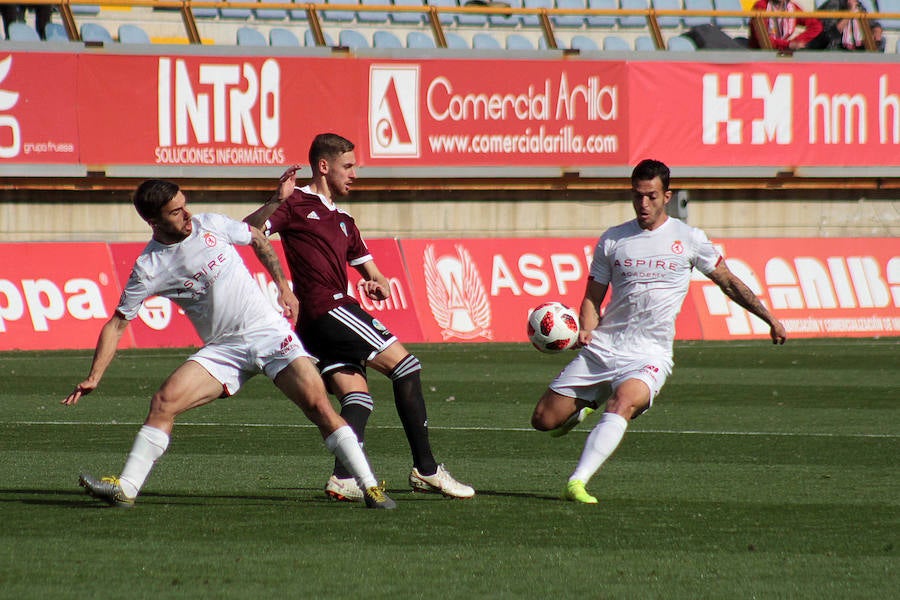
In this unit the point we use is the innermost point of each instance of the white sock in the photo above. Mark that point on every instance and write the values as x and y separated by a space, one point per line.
344 445
600 444
149 445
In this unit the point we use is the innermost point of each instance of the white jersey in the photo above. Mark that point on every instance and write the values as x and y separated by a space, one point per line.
205 276
650 272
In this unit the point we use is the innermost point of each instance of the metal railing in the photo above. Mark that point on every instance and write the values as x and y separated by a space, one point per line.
432 14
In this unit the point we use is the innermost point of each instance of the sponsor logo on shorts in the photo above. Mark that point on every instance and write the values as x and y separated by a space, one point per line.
288 344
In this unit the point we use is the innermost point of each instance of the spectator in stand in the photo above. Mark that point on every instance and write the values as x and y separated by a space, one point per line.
16 12
846 34
783 31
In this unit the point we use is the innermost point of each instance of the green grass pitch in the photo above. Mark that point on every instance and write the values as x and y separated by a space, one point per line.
760 472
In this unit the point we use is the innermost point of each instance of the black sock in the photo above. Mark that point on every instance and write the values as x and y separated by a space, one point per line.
411 408
355 409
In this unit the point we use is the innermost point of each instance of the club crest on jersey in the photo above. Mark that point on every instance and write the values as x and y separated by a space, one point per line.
344 228
677 247
210 239
456 295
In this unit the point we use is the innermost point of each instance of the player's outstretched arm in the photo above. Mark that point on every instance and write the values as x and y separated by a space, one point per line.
286 185
103 355
738 291
266 255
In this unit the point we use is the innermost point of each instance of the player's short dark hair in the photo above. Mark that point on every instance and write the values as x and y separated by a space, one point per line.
328 146
649 169
152 195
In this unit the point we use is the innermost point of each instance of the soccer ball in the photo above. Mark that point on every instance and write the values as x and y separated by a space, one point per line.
553 327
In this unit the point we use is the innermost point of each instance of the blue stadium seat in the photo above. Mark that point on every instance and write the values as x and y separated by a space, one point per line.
235 13
517 41
22 32
644 43
729 21
279 36
274 14
310 40
350 38
417 39
615 43
569 20
299 13
55 32
668 21
340 16
444 17
407 18
507 21
385 39
471 19
205 13
485 41
377 16
132 34
698 5
455 41
679 43
94 32
534 20
247 36
584 44
85 9
605 22
636 21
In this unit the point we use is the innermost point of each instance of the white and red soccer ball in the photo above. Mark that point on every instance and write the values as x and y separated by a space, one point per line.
553 327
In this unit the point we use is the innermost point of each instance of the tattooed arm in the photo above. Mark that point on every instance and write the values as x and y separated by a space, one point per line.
266 255
738 291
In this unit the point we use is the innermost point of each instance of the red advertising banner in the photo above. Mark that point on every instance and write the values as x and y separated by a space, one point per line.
38 108
766 114
816 287
55 296
469 112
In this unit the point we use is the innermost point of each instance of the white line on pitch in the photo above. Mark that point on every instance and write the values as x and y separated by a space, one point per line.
507 429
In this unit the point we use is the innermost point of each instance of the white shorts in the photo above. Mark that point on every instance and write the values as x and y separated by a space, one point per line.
593 377
234 360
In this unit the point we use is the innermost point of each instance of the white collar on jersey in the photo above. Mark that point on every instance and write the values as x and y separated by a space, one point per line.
328 203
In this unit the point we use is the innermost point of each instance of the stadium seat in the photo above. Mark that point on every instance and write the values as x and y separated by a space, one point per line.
517 41
235 13
445 18
455 41
299 13
417 39
340 16
85 9
534 20
615 43
205 13
668 21
889 6
407 18
247 36
636 21
274 14
377 16
485 41
471 19
507 20
644 43
310 40
604 22
698 5
583 43
679 43
132 34
385 39
55 32
22 32
279 36
350 38
733 22
569 20
94 32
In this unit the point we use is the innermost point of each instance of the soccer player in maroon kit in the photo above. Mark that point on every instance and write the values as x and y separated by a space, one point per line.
319 241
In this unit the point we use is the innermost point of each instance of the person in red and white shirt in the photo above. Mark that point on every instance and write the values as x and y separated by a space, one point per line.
320 240
626 355
785 33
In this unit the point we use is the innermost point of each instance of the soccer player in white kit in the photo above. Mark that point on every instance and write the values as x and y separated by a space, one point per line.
627 354
192 260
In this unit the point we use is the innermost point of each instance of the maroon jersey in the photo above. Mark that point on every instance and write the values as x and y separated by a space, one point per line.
319 242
